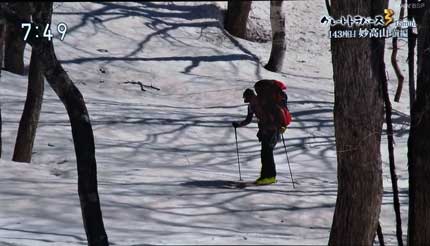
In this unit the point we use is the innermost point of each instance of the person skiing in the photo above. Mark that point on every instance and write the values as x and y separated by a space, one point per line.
268 133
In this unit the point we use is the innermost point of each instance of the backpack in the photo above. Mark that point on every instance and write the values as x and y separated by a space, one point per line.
274 98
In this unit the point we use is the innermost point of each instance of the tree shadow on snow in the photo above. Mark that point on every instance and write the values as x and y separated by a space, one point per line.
156 17
218 184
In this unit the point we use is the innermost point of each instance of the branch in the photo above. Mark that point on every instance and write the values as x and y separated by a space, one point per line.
136 83
142 85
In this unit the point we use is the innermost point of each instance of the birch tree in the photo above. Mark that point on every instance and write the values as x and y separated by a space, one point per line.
279 44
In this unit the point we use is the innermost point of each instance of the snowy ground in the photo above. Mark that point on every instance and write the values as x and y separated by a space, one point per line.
164 156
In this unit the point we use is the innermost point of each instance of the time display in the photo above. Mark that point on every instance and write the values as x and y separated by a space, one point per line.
36 30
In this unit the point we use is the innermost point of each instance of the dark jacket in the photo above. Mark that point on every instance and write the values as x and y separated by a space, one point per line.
267 117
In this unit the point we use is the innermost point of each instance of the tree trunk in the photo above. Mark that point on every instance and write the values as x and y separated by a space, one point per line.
82 132
2 36
2 32
83 139
418 15
390 141
380 235
358 119
30 116
394 62
279 44
14 43
411 66
237 17
419 143
1 141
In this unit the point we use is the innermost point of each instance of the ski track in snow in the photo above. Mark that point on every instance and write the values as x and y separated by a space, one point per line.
164 156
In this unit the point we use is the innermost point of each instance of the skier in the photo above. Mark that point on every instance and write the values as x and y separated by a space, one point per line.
268 133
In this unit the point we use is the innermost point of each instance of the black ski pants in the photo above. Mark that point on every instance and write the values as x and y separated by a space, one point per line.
268 139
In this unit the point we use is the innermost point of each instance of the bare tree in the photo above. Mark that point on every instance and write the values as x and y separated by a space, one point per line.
419 142
1 67
412 40
82 132
398 72
14 43
1 122
358 119
30 116
390 140
237 17
2 34
279 44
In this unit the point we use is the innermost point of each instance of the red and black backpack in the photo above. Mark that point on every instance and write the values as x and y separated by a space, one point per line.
273 95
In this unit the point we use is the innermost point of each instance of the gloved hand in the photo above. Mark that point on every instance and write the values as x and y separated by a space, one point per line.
235 124
283 129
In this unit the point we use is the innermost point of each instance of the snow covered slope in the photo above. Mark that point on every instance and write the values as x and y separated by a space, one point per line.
164 155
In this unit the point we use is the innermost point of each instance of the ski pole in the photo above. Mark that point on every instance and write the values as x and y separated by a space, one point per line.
285 147
237 149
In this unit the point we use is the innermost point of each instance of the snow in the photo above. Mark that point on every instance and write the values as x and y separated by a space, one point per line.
164 155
